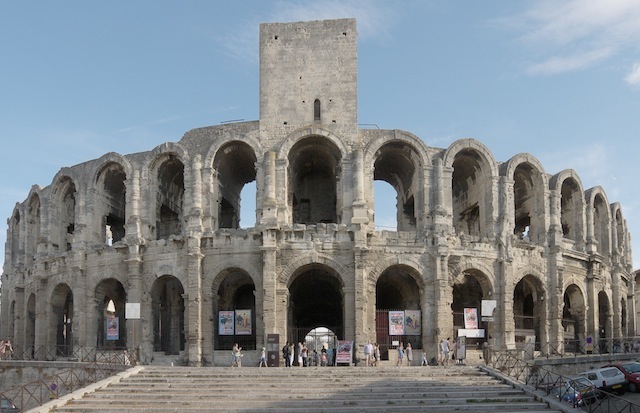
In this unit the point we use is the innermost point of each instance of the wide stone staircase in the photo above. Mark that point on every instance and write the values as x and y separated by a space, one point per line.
307 389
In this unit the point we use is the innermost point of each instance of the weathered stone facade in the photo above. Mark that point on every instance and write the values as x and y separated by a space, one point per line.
160 228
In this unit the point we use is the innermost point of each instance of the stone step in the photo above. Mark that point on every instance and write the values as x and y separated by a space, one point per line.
339 389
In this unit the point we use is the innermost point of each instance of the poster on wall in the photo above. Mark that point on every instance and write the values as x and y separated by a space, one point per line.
225 323
243 322
471 318
345 352
113 328
396 323
412 322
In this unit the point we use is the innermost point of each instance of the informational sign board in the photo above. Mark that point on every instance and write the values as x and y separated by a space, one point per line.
468 333
273 350
345 352
132 311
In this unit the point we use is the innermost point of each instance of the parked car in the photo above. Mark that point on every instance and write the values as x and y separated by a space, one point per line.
607 379
7 406
576 392
631 371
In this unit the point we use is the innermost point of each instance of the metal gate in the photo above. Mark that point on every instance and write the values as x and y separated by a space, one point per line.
385 341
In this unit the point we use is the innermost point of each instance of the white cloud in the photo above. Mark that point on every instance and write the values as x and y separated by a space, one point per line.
577 34
633 78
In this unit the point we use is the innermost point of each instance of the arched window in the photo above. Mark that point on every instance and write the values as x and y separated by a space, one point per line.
316 110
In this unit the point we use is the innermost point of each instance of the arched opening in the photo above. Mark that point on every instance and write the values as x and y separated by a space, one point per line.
33 226
604 323
315 300
469 193
398 314
601 224
527 190
468 292
385 208
234 311
30 327
528 311
170 198
570 209
110 299
67 214
167 307
15 238
624 328
573 319
61 319
397 164
111 202
316 110
235 166
314 173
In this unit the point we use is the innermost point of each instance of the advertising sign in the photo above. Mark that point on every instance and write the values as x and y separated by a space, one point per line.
113 328
243 322
471 318
396 323
225 323
345 352
412 324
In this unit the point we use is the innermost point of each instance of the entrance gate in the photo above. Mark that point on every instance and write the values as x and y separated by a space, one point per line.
385 341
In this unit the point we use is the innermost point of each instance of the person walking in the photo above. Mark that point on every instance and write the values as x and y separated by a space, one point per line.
446 348
409 353
441 352
263 358
368 350
376 351
424 358
236 356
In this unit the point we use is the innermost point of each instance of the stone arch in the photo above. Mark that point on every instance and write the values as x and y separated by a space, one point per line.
287 275
472 189
33 212
63 220
234 290
234 165
469 288
399 164
570 205
619 229
110 198
61 319
605 322
383 264
168 314
168 179
294 137
110 320
530 220
600 219
529 311
574 318
15 235
316 298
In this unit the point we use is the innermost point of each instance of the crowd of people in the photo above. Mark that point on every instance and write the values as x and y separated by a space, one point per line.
300 355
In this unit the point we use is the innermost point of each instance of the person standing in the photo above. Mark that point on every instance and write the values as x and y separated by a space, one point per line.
236 356
409 352
300 355
368 349
376 350
285 355
441 352
446 349
400 354
292 351
424 358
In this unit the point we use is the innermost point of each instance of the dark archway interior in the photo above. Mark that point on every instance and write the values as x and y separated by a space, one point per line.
168 315
315 300
111 290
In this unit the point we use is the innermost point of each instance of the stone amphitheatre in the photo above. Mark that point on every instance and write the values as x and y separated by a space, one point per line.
145 251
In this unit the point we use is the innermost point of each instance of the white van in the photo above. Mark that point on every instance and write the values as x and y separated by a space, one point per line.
609 379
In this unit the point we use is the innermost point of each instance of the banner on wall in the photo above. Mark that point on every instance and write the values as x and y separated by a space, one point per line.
396 323
345 352
113 328
225 323
471 318
412 324
243 322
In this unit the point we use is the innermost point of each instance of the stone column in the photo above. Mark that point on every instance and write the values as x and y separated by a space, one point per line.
17 335
270 206
364 306
270 296
443 316
359 206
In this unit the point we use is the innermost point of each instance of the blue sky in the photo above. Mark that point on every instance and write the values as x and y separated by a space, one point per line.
557 79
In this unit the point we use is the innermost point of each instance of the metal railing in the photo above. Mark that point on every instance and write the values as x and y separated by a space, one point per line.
513 364
94 364
575 348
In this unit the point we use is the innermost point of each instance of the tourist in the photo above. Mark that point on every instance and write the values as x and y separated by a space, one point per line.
292 351
236 355
424 358
441 352
400 354
263 358
446 347
368 350
409 353
376 351
285 355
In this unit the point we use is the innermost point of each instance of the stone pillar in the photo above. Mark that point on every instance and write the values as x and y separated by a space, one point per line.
349 299
271 306
359 206
270 206
364 305
442 318
504 327
17 335
194 317
43 314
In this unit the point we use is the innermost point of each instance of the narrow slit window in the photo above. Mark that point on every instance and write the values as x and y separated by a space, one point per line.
316 110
